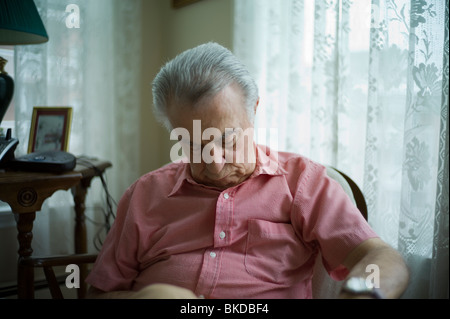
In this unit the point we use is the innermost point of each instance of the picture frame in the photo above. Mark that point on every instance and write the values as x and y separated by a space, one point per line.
181 3
50 129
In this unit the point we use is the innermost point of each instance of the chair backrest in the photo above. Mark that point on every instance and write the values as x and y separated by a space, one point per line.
323 286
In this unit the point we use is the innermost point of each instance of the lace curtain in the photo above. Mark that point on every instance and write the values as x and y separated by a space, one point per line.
91 63
363 86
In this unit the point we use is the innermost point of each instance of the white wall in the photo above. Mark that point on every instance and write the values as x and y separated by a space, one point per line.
168 32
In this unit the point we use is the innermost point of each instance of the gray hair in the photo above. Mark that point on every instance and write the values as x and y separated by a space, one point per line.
201 72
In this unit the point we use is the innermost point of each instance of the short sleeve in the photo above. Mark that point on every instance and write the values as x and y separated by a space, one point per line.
326 218
116 266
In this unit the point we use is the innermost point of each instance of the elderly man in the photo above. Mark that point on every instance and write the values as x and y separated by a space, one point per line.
237 219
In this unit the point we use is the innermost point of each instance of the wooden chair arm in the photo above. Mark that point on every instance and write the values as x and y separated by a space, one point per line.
53 261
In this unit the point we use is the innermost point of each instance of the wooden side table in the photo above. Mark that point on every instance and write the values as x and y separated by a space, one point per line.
25 192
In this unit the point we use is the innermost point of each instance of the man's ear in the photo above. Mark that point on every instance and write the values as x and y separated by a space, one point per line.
256 105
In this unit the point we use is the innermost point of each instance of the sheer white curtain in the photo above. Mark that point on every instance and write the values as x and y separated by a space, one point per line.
363 86
92 66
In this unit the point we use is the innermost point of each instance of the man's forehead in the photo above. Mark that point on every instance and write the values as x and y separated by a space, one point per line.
224 110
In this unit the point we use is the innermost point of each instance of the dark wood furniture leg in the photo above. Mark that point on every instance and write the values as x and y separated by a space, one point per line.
25 275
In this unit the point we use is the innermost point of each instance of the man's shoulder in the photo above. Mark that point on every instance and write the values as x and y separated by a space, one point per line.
171 168
296 168
295 163
267 154
164 177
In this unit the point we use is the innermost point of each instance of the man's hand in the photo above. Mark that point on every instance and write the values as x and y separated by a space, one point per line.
155 291
394 274
164 291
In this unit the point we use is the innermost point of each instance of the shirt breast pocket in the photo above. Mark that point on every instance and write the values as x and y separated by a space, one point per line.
275 254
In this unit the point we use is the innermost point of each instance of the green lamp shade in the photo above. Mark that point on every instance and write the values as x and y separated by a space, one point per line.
20 23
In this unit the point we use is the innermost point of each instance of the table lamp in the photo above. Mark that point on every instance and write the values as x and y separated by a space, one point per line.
20 23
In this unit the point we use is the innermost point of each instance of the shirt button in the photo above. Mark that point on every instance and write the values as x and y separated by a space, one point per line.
222 235
226 196
212 254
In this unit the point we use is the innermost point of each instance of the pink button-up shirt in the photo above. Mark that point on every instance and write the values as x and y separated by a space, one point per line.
258 239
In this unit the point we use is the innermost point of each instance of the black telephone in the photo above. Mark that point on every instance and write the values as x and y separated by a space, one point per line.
47 161
7 148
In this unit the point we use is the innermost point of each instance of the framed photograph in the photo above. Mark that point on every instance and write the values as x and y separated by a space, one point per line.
50 129
181 3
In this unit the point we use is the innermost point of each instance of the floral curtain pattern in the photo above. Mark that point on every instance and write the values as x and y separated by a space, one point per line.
88 68
363 86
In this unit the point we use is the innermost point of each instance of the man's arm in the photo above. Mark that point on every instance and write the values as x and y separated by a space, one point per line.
94 293
394 274
155 291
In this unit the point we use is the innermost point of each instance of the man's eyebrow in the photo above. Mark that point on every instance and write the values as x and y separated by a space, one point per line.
228 131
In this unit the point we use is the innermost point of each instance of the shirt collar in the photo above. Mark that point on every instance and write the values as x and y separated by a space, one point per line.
184 175
266 164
